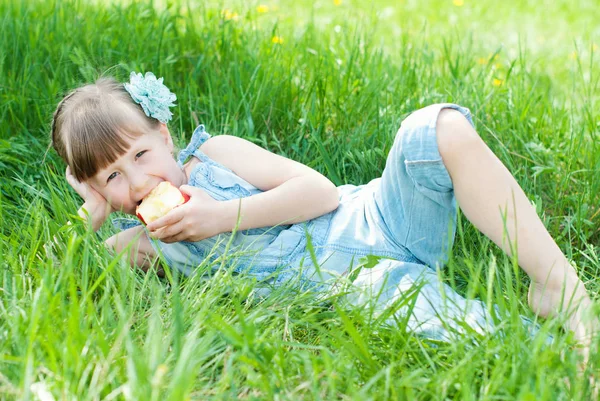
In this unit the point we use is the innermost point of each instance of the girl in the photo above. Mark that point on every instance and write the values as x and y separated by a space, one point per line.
117 146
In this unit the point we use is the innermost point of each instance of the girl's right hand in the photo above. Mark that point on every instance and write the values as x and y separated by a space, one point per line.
94 203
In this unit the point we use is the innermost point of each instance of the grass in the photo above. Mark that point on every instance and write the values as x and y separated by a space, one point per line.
77 323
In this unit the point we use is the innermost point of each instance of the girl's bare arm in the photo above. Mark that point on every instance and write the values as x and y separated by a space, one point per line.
140 253
292 191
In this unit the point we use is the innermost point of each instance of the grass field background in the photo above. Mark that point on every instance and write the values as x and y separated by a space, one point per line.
325 83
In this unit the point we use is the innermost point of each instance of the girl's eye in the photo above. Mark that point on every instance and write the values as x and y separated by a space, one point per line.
110 177
140 154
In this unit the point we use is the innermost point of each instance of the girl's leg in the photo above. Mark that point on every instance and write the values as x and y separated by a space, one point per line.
485 191
420 301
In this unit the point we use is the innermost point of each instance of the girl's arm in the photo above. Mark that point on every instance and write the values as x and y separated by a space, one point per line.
293 192
140 253
95 214
95 207
296 200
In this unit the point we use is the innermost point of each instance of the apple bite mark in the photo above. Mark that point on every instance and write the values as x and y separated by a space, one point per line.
159 202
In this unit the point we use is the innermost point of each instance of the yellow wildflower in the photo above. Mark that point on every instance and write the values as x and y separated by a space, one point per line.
595 47
277 39
262 9
337 2
482 60
458 3
573 55
497 82
229 15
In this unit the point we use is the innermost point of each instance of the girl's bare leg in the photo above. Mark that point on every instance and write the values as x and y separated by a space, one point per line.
485 190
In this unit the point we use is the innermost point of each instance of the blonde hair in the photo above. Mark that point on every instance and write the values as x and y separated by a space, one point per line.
91 125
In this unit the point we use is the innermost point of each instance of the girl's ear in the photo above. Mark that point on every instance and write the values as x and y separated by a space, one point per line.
164 131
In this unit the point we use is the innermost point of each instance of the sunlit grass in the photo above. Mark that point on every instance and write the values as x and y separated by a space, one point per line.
327 84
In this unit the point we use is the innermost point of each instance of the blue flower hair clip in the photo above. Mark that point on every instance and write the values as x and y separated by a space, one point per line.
154 97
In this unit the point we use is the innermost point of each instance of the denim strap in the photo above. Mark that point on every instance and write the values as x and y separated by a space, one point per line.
198 138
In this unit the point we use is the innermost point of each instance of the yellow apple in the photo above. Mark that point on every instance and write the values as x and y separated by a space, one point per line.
163 198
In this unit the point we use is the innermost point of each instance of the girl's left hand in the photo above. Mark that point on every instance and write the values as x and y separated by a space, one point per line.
199 218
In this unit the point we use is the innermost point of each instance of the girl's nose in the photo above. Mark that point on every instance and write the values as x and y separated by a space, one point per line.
138 183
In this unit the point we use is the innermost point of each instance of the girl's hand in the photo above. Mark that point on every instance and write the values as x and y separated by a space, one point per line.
89 195
94 203
197 219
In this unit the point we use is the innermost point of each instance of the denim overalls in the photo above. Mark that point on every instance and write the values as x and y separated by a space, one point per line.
405 220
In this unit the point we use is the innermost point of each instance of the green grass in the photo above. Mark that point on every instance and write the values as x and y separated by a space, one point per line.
80 324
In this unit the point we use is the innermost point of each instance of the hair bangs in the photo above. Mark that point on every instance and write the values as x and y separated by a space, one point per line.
104 135
94 125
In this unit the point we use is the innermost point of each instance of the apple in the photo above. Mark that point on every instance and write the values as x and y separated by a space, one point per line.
163 198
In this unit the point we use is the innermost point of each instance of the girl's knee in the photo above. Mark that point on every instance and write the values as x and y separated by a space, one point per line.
454 133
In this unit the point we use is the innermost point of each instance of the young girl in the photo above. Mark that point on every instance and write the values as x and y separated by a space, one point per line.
117 146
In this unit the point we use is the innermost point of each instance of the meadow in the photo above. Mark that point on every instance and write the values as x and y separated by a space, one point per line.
326 83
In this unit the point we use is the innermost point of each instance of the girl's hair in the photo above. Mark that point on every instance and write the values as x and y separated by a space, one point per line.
90 126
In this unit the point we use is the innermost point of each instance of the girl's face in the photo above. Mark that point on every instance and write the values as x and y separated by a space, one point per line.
132 176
